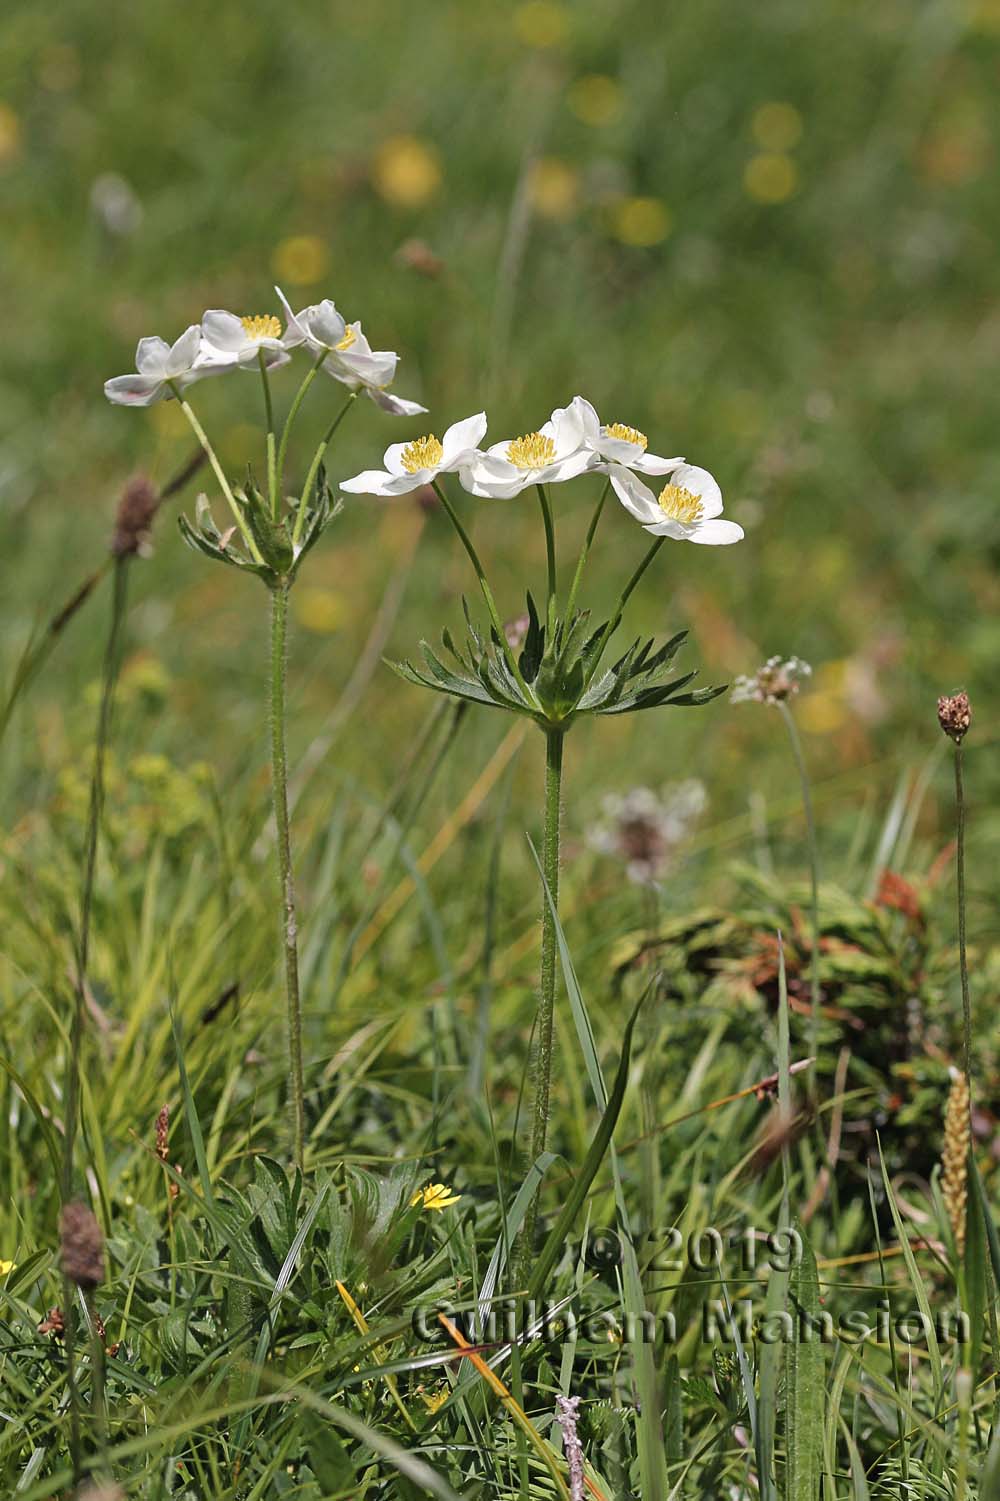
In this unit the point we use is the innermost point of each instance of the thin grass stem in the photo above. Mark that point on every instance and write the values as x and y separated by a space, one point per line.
963 958
317 459
109 680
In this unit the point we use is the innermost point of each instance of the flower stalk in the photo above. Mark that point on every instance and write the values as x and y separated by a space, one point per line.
286 878
800 766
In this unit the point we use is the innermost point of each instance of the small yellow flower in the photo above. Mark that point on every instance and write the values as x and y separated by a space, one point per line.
406 171
301 260
776 126
553 188
641 221
435 1196
435 1400
10 134
770 177
596 99
320 610
541 23
5 1267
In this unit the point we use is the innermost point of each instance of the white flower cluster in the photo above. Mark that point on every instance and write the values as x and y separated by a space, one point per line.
644 828
574 441
222 341
777 680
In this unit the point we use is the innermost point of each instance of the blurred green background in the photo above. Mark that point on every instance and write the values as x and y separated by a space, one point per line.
766 236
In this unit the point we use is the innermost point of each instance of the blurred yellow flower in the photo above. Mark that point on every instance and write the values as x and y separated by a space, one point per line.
640 221
59 68
596 99
239 444
984 15
10 134
5 1267
770 177
168 419
300 260
541 23
776 126
826 708
319 610
435 1196
406 171
435 1400
553 187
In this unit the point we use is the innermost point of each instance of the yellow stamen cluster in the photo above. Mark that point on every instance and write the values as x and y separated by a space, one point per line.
435 1196
350 337
678 504
626 434
954 1157
262 326
422 453
531 452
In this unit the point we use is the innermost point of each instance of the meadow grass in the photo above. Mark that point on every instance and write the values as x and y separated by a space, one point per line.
767 240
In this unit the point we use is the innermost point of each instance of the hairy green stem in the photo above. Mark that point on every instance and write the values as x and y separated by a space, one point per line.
585 551
963 960
109 680
286 881
800 766
272 471
487 592
550 557
317 459
547 978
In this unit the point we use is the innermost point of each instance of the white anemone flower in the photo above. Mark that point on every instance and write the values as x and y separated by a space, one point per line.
349 356
410 465
555 452
688 508
229 342
159 367
617 443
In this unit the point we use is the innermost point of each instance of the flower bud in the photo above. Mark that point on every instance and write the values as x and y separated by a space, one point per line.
136 509
955 715
81 1246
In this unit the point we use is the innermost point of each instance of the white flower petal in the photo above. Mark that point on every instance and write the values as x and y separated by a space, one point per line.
184 351
586 416
716 533
326 325
223 331
375 482
651 463
134 390
463 436
634 496
151 356
397 405
294 334
566 431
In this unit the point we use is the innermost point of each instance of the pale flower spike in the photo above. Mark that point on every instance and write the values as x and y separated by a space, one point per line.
408 466
778 680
